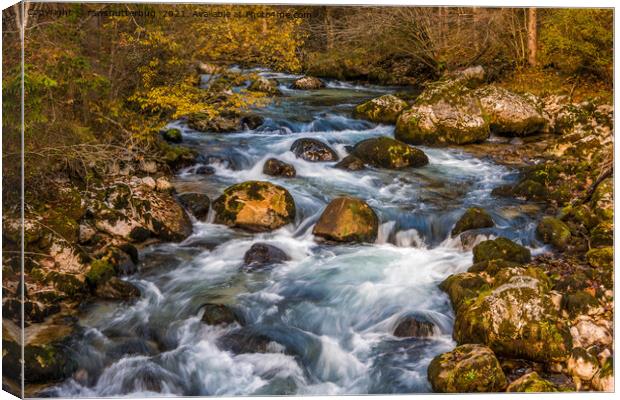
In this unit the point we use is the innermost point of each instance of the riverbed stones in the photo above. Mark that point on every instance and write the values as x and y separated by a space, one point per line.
467 368
385 152
219 314
553 231
255 206
414 326
531 383
509 113
347 219
473 218
313 150
275 167
384 109
501 249
261 255
265 85
351 163
307 83
197 203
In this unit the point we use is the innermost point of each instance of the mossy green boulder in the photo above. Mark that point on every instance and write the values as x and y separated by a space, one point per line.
466 369
553 231
601 258
385 152
602 235
255 206
384 109
463 286
172 135
347 219
264 85
501 249
531 383
473 218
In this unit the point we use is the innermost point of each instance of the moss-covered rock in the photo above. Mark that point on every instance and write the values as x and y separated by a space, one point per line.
384 109
255 206
492 267
275 167
602 200
529 189
510 113
554 231
473 218
602 235
466 369
501 249
264 85
313 150
219 123
385 152
531 383
601 258
347 219
100 271
516 319
578 302
307 83
463 286
172 135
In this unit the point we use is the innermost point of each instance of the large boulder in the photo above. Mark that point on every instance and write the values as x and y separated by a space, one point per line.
307 83
255 206
462 287
516 318
501 249
275 167
347 219
313 150
264 85
384 109
466 369
385 152
510 113
473 218
531 383
261 255
554 231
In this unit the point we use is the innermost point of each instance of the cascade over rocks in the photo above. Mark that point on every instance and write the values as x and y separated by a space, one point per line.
255 206
385 152
384 109
347 219
467 368
313 150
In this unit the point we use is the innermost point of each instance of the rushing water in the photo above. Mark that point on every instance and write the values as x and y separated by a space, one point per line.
331 310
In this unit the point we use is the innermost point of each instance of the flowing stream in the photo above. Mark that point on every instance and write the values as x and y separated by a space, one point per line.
330 311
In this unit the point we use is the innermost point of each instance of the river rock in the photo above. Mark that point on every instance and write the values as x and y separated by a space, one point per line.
463 286
255 206
601 258
275 167
384 152
516 318
414 327
473 218
510 113
531 382
350 163
307 83
219 314
264 85
251 121
246 341
602 235
172 135
501 249
587 332
347 219
384 109
466 369
261 255
603 381
221 123
582 365
554 231
117 289
313 150
197 203
204 170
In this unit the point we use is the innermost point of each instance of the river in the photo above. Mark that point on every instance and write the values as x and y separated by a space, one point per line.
330 311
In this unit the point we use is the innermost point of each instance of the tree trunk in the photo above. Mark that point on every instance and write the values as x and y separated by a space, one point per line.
532 39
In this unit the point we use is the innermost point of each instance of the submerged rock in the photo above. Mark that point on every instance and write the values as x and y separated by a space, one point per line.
261 255
350 163
247 341
466 369
219 314
414 327
197 203
554 231
275 167
501 249
347 219
531 383
307 83
473 218
384 152
384 109
255 206
313 150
